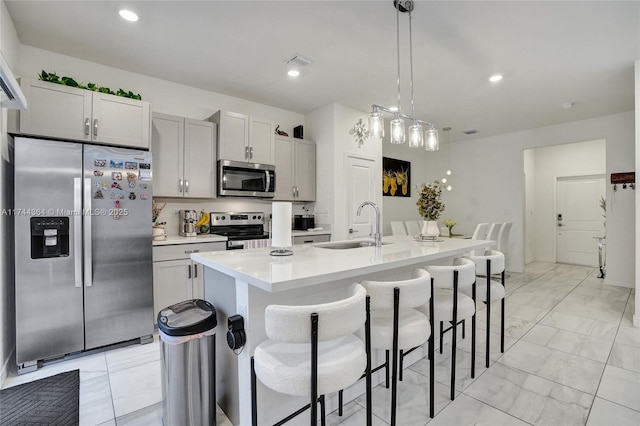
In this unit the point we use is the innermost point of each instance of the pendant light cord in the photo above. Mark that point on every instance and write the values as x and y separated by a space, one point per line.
398 49
413 113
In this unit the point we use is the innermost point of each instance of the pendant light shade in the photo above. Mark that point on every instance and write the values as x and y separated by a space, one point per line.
432 143
416 139
397 130
376 125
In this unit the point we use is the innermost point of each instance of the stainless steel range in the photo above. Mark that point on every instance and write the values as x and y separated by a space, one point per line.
243 229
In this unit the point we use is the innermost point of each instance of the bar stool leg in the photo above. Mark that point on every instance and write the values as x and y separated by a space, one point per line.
502 317
454 335
322 411
314 370
367 343
401 359
431 357
394 368
488 310
386 369
473 333
254 399
441 334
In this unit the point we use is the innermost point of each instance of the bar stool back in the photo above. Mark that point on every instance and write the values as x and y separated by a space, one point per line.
490 262
312 350
453 306
397 325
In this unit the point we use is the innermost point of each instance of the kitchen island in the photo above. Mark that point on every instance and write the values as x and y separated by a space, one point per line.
244 282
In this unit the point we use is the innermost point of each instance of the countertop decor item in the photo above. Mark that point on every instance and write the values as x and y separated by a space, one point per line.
281 229
156 209
359 132
430 204
450 223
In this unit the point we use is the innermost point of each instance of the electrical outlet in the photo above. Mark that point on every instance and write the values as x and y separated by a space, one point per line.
176 211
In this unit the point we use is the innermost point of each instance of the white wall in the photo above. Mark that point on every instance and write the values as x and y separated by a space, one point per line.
425 167
489 184
329 127
529 164
575 159
9 49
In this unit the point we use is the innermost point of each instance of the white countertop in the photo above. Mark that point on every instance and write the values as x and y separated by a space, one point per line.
310 264
202 238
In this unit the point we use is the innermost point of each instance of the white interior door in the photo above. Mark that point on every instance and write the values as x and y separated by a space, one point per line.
579 219
361 186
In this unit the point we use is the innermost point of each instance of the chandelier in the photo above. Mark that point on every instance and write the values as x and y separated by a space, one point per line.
418 137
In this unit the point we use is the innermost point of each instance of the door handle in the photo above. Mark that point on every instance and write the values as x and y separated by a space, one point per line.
95 127
250 153
180 185
195 271
186 186
293 190
87 126
352 231
88 258
77 231
266 189
189 274
246 152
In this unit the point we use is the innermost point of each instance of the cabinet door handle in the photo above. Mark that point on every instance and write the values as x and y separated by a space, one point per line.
297 192
293 190
251 153
195 271
180 185
246 152
189 268
95 127
186 186
87 126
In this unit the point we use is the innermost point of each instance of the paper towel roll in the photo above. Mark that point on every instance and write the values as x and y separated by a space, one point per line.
281 225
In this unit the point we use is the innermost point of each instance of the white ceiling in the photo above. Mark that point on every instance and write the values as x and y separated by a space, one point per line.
549 52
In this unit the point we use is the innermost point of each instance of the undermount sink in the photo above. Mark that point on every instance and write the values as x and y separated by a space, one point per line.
344 245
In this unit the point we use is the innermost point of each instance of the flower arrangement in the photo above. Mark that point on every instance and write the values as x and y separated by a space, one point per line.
430 205
450 223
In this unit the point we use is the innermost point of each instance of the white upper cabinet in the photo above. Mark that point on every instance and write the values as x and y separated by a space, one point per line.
184 152
295 169
63 112
244 138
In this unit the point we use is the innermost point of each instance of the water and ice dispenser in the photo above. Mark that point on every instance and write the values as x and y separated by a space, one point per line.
49 237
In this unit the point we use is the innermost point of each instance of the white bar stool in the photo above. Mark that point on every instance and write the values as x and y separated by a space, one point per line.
492 262
413 227
453 306
312 350
397 228
397 325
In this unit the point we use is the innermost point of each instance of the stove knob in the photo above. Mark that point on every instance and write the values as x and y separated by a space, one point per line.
224 217
217 217
259 217
254 216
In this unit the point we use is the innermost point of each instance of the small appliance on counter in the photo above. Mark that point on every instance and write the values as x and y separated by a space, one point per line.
188 219
302 222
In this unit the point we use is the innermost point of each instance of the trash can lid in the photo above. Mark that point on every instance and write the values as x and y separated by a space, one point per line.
186 318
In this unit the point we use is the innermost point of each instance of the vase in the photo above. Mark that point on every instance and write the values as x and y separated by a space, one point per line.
430 229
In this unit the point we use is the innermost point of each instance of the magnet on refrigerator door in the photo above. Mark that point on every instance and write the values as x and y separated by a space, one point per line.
114 164
131 165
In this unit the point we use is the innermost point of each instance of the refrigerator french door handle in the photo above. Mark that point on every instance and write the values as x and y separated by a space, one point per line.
77 231
88 258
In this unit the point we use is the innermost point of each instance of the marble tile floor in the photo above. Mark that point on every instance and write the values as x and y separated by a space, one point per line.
572 357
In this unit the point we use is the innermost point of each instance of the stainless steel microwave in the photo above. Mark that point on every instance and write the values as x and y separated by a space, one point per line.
240 179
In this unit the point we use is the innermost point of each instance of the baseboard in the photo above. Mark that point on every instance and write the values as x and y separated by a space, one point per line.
6 367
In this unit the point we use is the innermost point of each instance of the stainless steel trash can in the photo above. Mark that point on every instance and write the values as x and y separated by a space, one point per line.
188 363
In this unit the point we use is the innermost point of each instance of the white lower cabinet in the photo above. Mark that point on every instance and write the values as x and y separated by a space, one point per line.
175 276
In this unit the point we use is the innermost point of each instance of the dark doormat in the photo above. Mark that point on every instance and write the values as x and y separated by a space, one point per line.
50 401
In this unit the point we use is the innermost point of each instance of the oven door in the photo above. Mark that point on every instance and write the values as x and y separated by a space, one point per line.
238 179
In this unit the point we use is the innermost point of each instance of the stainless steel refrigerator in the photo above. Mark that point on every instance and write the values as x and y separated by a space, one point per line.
83 270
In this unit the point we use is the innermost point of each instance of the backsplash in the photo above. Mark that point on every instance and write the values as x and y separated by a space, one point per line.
218 205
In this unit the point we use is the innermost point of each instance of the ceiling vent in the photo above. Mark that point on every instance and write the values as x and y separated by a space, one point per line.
299 59
470 132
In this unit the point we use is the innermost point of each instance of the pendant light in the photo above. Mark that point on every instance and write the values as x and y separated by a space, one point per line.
416 134
444 180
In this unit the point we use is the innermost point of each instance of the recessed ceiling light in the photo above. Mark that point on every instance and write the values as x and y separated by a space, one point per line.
293 73
128 15
495 78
